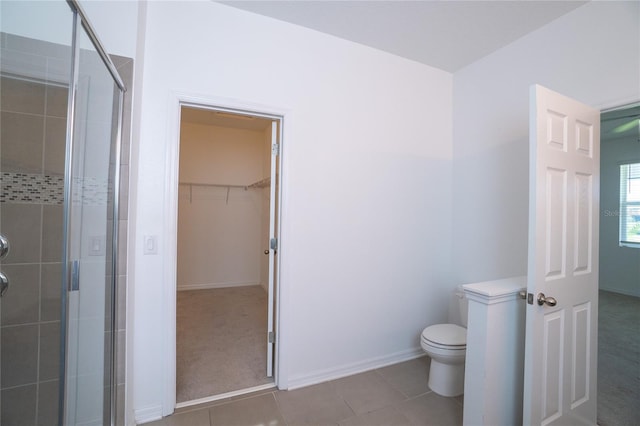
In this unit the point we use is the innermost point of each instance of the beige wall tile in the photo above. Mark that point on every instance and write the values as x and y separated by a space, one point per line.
49 351
21 225
121 347
20 303
121 309
52 225
19 355
21 96
19 406
50 291
48 403
55 140
21 137
57 101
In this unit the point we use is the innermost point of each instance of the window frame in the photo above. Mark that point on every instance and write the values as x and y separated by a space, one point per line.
624 181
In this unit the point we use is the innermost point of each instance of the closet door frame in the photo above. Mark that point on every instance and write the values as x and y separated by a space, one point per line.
231 106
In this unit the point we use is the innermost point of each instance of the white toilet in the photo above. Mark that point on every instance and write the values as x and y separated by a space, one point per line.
446 344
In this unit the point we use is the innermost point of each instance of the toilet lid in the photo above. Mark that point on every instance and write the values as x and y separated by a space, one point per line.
446 334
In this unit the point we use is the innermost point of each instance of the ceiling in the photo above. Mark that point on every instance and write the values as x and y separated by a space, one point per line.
620 124
446 34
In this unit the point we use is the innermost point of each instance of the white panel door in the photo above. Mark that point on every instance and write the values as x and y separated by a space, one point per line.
561 332
273 245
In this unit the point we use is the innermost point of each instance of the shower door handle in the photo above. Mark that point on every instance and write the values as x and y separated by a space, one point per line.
4 284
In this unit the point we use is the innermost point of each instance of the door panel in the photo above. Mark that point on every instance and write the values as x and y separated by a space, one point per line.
556 223
561 340
580 354
552 367
583 221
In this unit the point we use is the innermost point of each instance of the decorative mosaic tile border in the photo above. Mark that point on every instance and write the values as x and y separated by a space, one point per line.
90 191
27 188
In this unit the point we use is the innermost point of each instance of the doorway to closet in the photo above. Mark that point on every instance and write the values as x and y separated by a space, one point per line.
226 253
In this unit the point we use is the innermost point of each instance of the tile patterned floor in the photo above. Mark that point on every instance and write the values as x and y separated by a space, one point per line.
393 395
398 394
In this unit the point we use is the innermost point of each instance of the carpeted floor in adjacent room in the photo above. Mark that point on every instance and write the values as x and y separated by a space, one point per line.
618 360
221 341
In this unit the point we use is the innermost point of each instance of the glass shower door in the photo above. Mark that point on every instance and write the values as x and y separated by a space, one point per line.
60 115
35 66
91 239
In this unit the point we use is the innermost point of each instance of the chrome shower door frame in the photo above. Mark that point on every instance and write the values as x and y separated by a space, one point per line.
70 273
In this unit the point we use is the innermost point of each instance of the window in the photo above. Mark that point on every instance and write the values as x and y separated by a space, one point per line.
630 205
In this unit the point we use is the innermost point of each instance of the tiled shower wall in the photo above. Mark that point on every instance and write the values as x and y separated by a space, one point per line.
32 144
125 69
32 140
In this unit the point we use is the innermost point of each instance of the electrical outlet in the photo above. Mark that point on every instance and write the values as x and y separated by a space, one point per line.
150 244
97 246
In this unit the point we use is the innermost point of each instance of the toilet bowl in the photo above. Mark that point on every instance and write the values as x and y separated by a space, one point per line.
446 345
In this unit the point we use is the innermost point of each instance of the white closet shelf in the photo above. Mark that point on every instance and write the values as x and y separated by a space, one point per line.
263 183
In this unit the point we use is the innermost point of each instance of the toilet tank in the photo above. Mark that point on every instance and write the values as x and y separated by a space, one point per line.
463 304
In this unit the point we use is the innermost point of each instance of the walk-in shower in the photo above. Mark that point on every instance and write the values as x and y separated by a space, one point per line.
61 102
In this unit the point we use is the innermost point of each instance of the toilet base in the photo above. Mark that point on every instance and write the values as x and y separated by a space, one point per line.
446 379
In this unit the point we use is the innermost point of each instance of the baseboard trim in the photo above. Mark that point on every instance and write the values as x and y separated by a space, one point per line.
148 414
622 291
354 368
208 286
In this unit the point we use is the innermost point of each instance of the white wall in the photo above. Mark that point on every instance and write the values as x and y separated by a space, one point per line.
219 233
619 266
116 24
366 208
33 19
220 155
591 54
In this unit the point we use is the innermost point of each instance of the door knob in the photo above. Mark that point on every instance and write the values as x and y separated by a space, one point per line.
4 246
549 301
266 252
4 284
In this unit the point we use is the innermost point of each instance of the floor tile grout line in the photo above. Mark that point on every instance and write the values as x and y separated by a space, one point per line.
354 414
275 398
406 396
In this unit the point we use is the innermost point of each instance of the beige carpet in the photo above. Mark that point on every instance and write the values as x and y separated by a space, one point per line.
221 341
